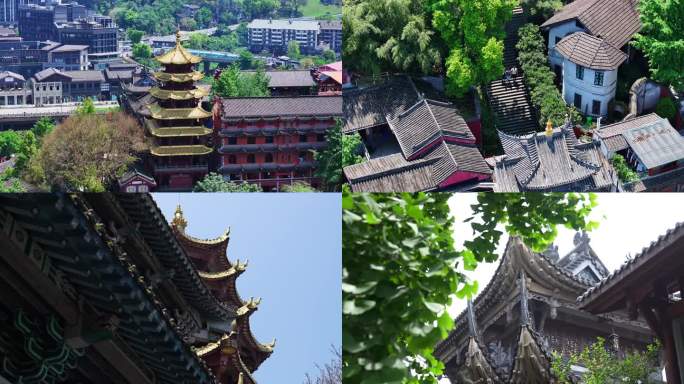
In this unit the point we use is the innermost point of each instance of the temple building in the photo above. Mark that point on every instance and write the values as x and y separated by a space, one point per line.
650 286
529 310
174 117
102 289
412 142
271 141
555 160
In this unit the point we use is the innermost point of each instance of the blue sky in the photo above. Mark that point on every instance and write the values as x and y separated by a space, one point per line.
293 243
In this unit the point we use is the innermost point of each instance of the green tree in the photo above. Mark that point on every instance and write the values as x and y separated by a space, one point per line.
142 51
246 59
624 172
260 8
661 39
399 272
213 182
473 31
233 83
197 41
293 50
10 143
298 186
134 35
329 56
389 35
342 150
204 17
43 127
604 367
27 150
87 107
541 9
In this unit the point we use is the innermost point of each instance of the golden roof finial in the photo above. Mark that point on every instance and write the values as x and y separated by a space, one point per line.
178 37
549 128
240 379
178 219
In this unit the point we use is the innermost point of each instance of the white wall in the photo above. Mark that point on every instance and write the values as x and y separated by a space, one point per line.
586 88
560 30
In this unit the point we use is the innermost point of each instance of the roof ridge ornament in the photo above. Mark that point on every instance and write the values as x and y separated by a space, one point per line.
179 221
472 326
524 314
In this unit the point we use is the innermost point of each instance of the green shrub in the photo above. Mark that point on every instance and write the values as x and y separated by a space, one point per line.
666 108
625 174
540 78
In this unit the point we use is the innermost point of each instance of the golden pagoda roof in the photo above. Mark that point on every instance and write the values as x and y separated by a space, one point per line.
179 77
238 267
161 113
157 131
225 236
165 94
180 150
249 307
178 55
201 351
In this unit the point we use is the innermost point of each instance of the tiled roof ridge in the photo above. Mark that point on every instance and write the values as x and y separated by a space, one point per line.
405 167
630 262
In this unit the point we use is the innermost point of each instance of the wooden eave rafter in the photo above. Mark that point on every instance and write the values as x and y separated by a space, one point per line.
178 77
235 270
165 94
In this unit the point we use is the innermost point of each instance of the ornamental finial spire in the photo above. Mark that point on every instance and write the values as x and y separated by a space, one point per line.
178 220
178 37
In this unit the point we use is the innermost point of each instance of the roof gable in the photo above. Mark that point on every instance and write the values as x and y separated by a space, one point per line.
591 52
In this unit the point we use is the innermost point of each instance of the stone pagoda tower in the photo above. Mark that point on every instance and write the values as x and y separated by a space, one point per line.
175 119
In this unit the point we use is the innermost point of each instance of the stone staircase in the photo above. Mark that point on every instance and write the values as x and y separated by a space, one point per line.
513 111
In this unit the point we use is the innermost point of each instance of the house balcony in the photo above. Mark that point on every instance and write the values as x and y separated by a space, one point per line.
191 168
269 167
269 131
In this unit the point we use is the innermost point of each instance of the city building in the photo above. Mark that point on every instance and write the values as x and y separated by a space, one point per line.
291 83
52 86
587 44
331 34
554 160
8 12
330 78
102 289
528 311
14 90
649 285
275 35
99 34
173 116
269 140
651 147
412 143
69 58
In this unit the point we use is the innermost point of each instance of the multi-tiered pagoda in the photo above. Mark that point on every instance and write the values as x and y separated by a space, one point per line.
529 310
101 289
175 118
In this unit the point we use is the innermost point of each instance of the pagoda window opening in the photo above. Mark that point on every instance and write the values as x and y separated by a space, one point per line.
251 158
302 138
269 139
232 140
232 159
251 140
269 158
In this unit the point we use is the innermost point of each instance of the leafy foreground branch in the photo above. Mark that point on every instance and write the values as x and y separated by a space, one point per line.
400 271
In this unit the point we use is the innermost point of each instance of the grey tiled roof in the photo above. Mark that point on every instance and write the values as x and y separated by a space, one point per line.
256 107
70 48
633 263
656 144
613 20
290 79
611 134
394 173
426 122
591 52
369 107
536 162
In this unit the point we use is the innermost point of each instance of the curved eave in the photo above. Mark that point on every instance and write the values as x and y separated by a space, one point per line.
249 307
531 364
178 56
180 150
160 113
248 340
178 77
180 132
235 271
217 241
164 94
536 265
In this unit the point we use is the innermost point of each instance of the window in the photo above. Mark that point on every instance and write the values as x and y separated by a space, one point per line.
269 139
269 158
596 107
598 78
232 140
579 72
143 188
558 39
320 137
130 188
302 138
251 140
578 101
251 159
231 159
302 156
